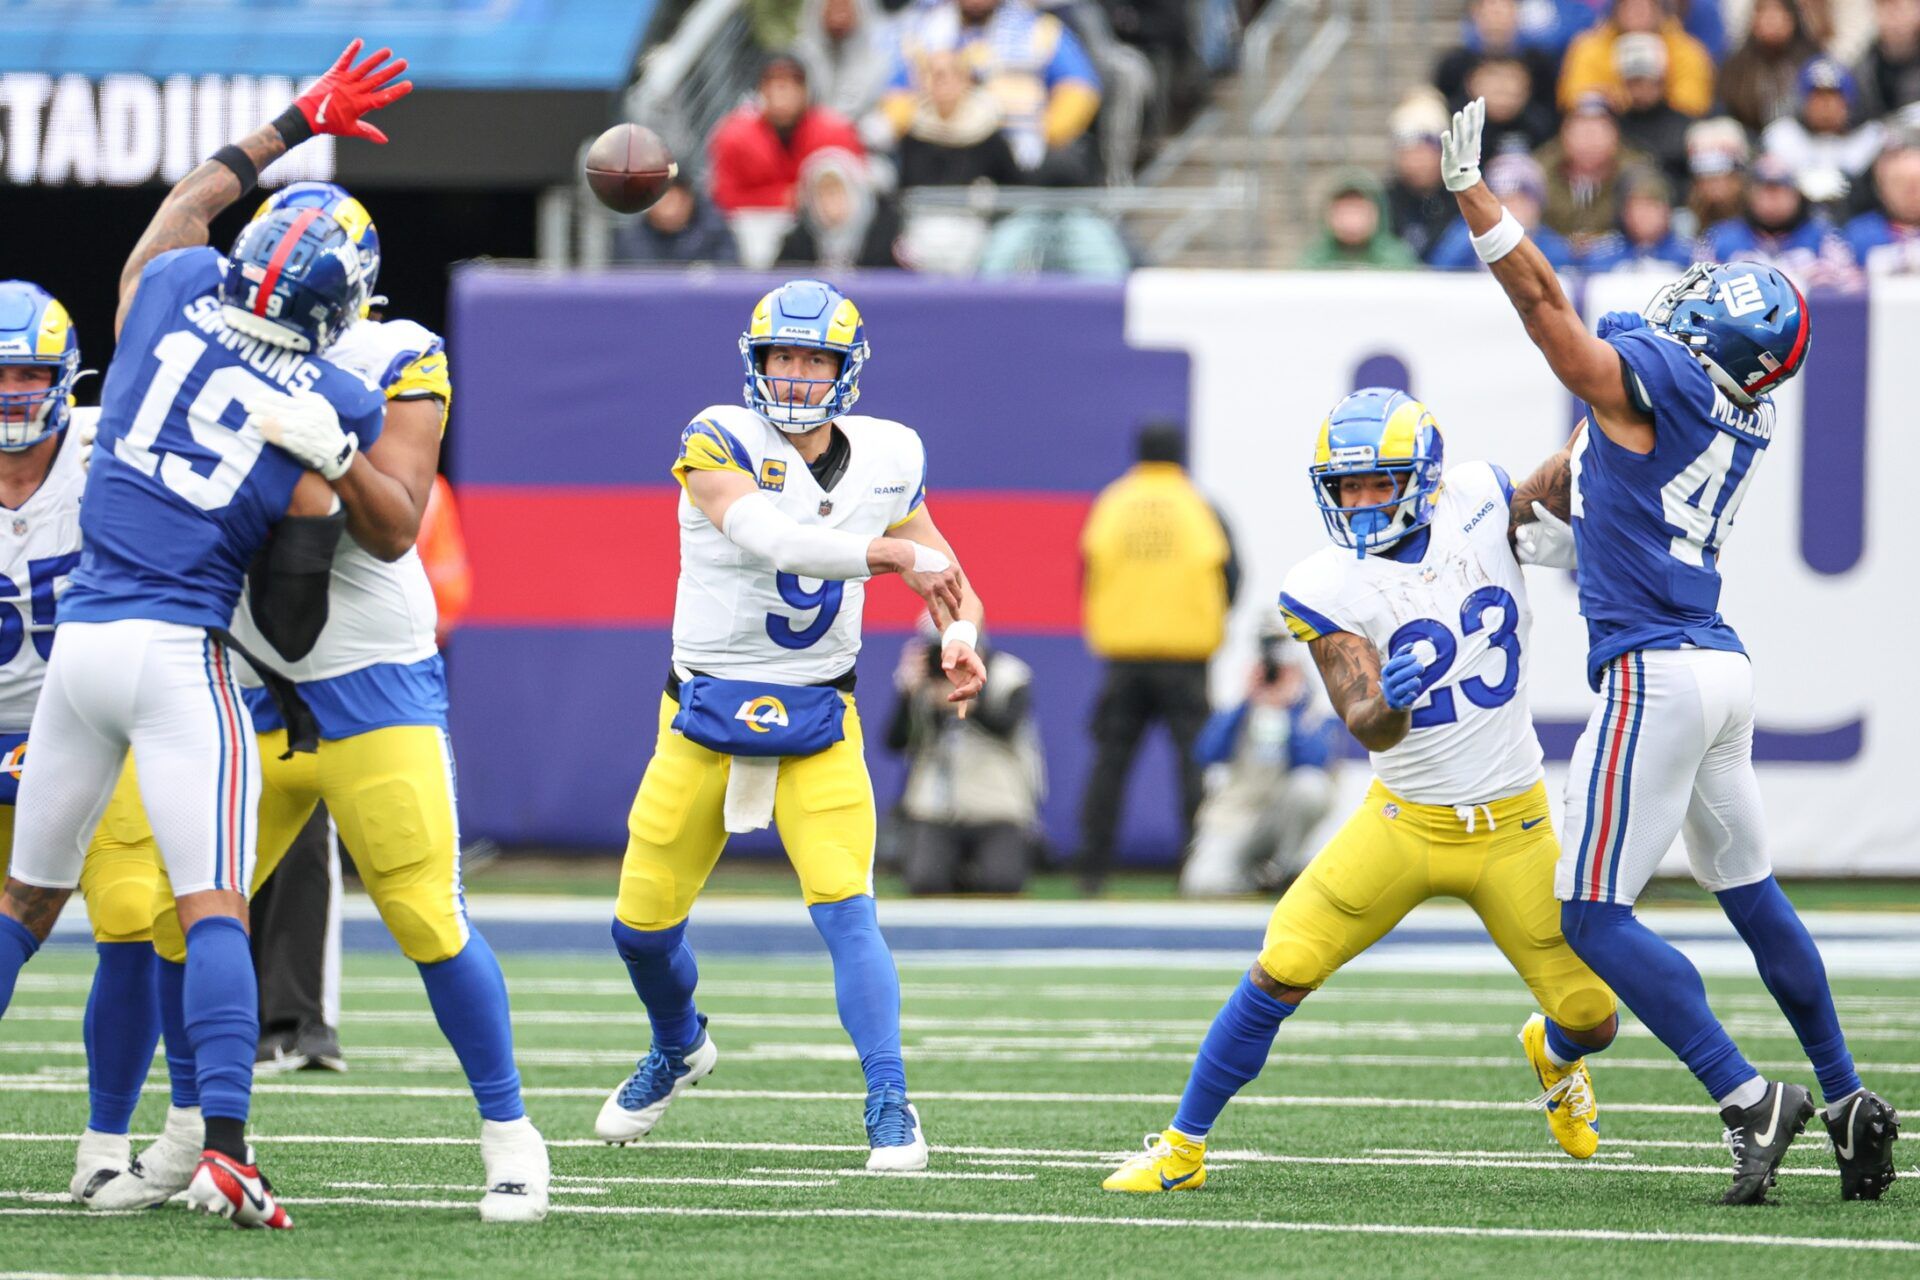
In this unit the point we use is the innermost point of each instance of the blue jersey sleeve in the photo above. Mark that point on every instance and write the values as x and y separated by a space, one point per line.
1070 61
1661 377
172 278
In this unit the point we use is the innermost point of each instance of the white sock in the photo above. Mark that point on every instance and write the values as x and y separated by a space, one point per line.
1838 1107
1556 1059
1746 1095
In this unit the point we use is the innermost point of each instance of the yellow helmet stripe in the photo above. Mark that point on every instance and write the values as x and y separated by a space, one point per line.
1397 440
762 324
1323 448
845 323
51 343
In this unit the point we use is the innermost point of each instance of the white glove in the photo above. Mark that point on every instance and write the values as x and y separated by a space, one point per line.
1548 541
306 425
1460 146
85 431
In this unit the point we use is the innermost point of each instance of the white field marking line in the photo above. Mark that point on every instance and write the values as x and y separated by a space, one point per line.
101 1275
1462 1161
595 1189
924 1175
1190 1224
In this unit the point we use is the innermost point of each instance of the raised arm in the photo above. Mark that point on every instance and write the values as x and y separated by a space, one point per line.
1350 668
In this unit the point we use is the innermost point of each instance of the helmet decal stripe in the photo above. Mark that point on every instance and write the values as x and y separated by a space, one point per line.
281 253
51 343
1794 356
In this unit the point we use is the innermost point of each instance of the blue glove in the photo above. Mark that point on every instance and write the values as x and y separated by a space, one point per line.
1400 679
1620 322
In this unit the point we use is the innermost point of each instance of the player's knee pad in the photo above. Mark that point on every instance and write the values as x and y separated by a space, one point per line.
121 910
169 941
1293 962
427 931
1584 1007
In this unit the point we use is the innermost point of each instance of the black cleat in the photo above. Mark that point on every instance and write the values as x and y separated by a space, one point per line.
1759 1136
319 1045
1863 1139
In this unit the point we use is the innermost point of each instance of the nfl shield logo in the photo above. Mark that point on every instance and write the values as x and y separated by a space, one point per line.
826 506
19 527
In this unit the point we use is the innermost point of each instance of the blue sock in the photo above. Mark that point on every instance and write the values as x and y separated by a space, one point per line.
1563 1047
1661 987
122 1028
1790 965
469 998
660 964
17 945
170 980
222 1015
865 986
1231 1054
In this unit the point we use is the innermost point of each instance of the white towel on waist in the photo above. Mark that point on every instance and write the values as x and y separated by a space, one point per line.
750 786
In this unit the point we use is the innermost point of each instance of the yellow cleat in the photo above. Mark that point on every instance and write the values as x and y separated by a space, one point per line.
1171 1162
1573 1115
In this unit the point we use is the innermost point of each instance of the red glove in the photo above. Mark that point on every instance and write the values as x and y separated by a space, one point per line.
338 99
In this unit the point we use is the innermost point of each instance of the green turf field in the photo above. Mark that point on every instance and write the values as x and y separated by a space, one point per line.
1383 1140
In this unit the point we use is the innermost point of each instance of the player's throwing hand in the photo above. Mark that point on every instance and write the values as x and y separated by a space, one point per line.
1460 147
338 99
1400 679
968 674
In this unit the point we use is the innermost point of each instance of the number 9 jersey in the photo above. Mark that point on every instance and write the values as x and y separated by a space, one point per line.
734 615
1462 607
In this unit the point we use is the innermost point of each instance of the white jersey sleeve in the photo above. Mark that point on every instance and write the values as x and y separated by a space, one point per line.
378 611
40 541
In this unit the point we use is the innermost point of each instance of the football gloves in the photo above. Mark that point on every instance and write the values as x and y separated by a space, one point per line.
1400 679
1546 540
1460 147
338 99
306 426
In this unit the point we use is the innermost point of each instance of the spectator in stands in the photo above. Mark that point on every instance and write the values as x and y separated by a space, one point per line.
972 797
680 227
844 222
1515 121
1075 242
955 136
774 23
1758 82
1888 243
848 53
1033 65
1889 71
1703 20
1521 186
1355 231
1269 778
1647 123
1821 138
1493 31
1778 228
1590 65
1645 239
1583 167
1717 155
1419 206
1159 574
756 152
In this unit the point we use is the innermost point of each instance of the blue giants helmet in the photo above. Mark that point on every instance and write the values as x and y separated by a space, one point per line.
804 313
293 279
1746 323
339 204
35 330
1373 430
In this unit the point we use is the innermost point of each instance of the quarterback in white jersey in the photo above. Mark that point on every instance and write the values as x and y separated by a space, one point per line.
788 505
1418 621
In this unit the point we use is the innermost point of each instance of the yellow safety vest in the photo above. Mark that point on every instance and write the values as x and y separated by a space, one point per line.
1155 553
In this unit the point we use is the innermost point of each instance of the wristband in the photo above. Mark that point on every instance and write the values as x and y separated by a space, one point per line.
240 164
960 631
1502 240
293 127
927 560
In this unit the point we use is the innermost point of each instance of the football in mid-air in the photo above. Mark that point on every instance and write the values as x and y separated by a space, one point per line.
628 168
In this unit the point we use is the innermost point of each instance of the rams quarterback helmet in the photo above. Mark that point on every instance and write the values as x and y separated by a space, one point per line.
804 313
293 279
339 204
1747 324
1377 429
36 330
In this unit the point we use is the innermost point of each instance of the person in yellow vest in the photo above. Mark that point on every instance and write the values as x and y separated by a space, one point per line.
1159 576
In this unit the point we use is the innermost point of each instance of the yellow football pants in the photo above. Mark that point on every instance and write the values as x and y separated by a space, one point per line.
822 808
390 793
1391 856
122 868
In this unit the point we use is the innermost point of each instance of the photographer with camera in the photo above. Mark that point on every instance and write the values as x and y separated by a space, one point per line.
1269 764
967 816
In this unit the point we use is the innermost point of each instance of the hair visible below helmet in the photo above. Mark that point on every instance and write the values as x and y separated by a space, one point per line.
339 204
35 330
1377 429
804 313
1746 323
293 279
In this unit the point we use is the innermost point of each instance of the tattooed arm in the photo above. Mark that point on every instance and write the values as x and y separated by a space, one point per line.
1350 668
190 208
32 906
1551 484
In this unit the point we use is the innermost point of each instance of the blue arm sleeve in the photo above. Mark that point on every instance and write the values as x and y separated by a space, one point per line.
1217 738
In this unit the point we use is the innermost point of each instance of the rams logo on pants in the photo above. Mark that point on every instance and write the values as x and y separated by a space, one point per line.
762 713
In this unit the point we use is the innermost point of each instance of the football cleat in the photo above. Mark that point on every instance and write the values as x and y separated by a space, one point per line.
1759 1137
279 1051
636 1106
517 1171
101 1158
1863 1136
1573 1116
162 1171
319 1044
898 1143
238 1192
1171 1162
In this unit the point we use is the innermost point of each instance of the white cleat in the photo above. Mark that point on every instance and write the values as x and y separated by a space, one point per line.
162 1171
240 1193
101 1158
517 1171
636 1106
898 1143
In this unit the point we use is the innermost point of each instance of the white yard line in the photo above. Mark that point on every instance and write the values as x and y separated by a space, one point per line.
923 1175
